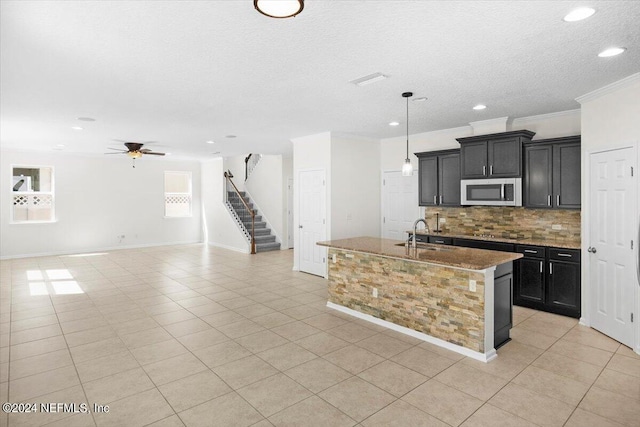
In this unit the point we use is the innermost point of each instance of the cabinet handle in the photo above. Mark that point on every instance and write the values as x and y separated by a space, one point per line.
501 189
558 200
439 241
435 200
484 170
540 267
440 199
529 251
491 170
550 268
548 199
565 255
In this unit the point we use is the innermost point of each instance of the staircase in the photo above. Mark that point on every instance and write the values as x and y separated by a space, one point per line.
265 241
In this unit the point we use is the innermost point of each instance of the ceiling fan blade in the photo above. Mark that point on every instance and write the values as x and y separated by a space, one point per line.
153 153
117 149
121 152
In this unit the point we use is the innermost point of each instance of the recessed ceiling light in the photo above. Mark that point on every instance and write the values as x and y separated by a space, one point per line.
394 123
579 14
76 128
58 147
211 142
422 99
230 136
86 119
612 51
217 152
367 80
480 107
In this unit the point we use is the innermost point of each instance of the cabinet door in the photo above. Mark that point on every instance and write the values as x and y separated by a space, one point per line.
503 314
449 180
530 284
473 159
428 184
504 158
537 176
566 176
563 288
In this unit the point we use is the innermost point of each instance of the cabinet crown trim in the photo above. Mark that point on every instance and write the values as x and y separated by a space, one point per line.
573 138
493 136
437 153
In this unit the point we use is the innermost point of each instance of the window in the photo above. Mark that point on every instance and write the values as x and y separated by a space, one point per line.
177 194
32 194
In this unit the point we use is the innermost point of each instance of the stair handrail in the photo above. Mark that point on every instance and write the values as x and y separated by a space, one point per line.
251 212
250 163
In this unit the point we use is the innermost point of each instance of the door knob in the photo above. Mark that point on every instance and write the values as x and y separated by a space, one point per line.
592 250
299 226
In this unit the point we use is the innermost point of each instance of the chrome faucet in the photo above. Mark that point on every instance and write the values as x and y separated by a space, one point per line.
415 229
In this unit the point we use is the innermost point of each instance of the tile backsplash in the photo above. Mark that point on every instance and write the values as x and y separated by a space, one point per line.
509 222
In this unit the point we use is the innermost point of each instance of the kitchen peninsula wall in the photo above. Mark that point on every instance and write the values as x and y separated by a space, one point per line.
508 222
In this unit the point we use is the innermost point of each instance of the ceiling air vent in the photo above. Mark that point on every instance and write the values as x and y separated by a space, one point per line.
367 80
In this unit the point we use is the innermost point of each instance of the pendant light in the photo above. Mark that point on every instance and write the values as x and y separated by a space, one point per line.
407 167
279 8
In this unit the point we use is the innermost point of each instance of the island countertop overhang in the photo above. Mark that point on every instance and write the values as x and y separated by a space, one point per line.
451 256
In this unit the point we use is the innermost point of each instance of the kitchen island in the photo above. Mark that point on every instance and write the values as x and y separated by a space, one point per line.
443 295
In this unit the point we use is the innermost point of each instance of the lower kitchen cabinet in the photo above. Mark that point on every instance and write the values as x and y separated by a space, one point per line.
548 280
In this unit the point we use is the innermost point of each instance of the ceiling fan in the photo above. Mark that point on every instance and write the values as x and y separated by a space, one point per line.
135 151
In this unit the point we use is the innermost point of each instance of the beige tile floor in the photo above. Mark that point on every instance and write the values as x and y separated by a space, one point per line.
196 336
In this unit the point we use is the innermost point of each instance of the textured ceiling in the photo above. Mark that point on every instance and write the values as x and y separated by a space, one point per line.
184 72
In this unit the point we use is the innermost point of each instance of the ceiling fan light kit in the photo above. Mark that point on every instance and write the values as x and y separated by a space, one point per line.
279 8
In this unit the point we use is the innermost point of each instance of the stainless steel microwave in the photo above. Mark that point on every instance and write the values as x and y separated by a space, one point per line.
491 192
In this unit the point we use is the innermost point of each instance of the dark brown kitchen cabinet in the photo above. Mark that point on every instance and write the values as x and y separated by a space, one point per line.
531 273
552 173
439 173
497 155
548 279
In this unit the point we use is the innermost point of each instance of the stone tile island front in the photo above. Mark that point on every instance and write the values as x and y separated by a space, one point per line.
443 295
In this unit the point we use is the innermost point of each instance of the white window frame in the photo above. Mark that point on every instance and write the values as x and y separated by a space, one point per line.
51 193
189 194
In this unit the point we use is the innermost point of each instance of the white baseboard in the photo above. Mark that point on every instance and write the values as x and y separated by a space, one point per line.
98 249
231 248
482 357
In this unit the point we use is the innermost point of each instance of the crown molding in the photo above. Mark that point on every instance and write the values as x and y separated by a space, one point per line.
620 84
546 116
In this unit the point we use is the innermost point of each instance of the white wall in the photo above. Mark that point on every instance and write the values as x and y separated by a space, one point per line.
393 150
96 200
287 173
355 187
236 165
221 229
610 119
310 152
265 188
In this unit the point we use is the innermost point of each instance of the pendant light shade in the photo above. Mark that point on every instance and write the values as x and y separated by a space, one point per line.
407 167
279 8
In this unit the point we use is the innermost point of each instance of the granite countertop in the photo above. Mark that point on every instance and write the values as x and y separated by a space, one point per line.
452 256
519 241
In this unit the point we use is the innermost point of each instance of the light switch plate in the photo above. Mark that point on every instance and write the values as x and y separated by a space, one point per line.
472 285
334 258
556 227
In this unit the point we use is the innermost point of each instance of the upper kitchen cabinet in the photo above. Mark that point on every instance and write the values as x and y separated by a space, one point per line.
439 173
552 173
498 155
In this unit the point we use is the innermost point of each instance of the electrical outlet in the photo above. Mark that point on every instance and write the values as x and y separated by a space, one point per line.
443 220
375 292
556 227
472 285
334 258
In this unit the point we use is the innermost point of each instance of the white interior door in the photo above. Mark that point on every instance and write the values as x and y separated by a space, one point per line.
290 213
312 227
399 204
613 234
